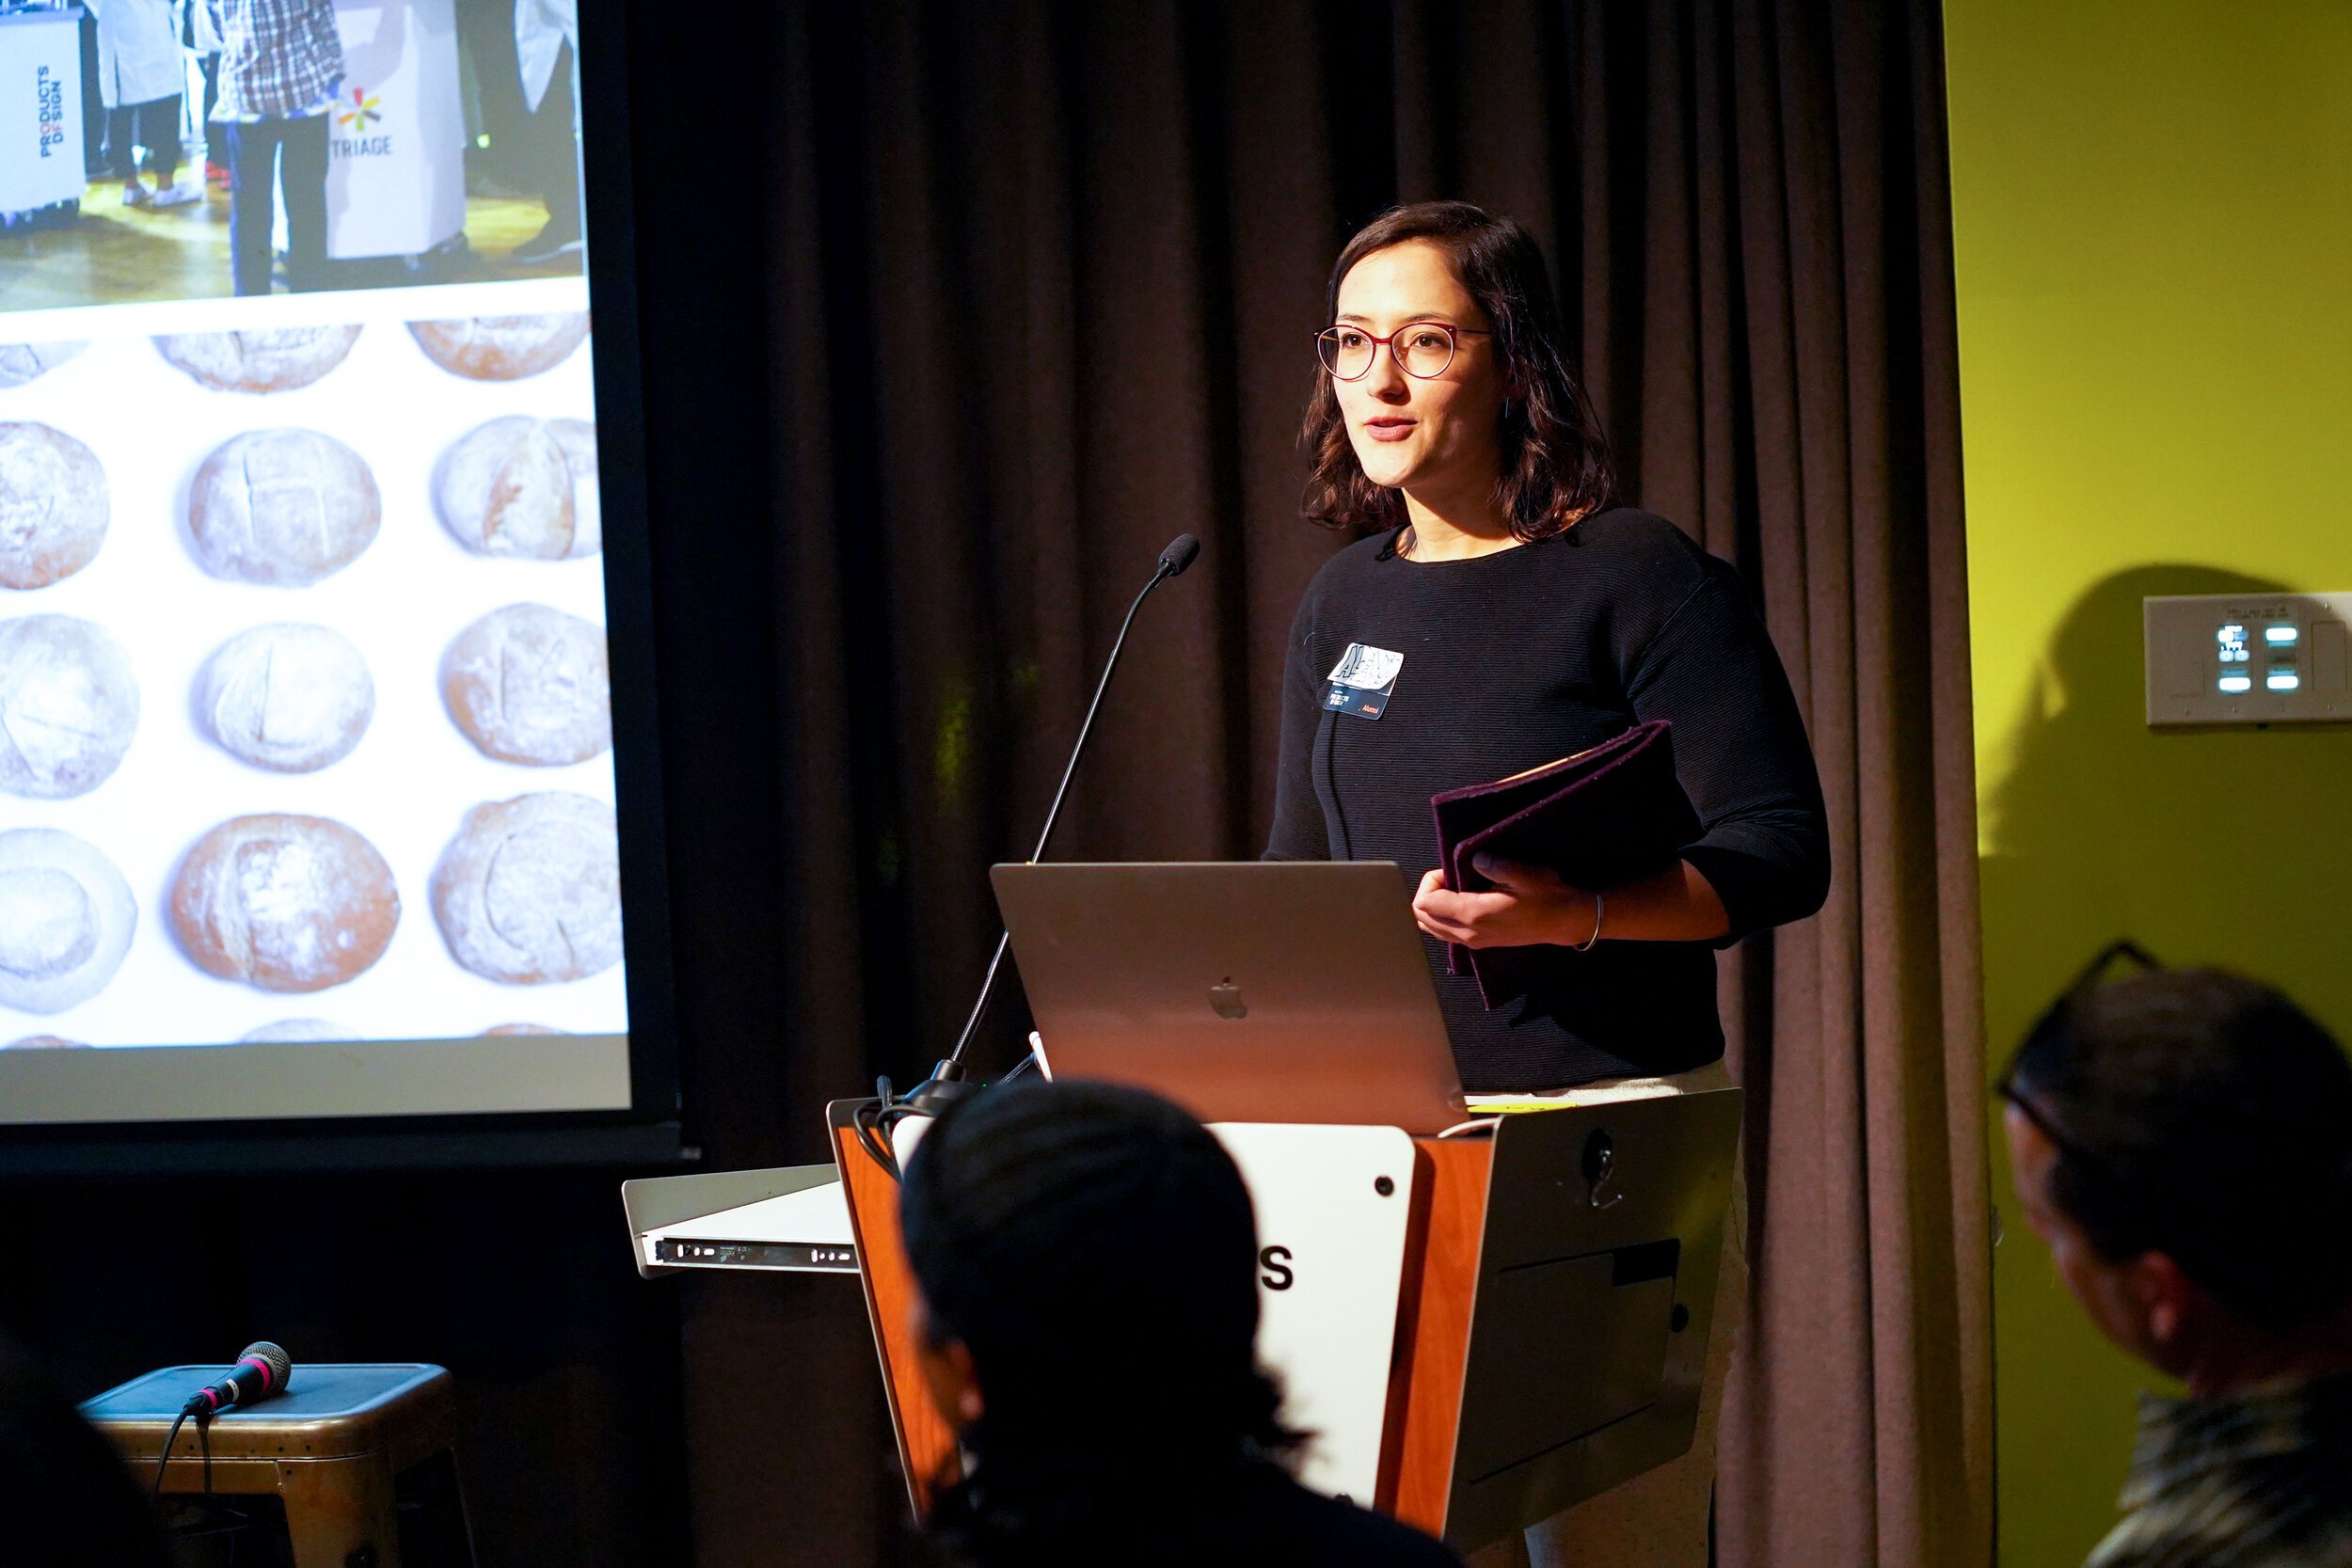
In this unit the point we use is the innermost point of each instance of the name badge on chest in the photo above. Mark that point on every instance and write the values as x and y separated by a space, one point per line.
1359 684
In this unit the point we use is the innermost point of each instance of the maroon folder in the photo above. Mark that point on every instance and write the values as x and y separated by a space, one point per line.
1601 818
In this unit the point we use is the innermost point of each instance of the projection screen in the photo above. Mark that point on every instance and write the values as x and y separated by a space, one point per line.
308 782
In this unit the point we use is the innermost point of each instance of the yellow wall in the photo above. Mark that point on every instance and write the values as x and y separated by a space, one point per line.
2153 212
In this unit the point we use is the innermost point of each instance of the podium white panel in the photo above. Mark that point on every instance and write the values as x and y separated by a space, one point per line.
40 109
396 141
1333 1205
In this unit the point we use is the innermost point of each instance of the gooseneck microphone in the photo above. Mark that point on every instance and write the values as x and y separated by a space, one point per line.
947 1083
263 1369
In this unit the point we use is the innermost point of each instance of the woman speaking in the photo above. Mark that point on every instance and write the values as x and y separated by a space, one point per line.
1522 617
1504 614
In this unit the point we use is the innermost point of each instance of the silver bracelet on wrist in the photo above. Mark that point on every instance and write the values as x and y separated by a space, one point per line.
1600 912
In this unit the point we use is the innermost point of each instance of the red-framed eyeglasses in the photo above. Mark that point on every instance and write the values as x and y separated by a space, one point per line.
1420 349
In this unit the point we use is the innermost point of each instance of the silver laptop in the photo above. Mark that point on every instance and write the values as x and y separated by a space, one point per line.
1252 990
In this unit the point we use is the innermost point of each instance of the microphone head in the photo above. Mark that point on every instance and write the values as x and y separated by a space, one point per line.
280 1365
1180 554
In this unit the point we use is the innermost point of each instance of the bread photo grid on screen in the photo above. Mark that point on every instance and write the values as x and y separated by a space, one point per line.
342 551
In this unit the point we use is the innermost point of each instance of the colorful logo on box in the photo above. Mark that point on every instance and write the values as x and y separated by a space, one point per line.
356 117
363 110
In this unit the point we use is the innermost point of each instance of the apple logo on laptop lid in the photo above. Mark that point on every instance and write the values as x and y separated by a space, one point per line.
1225 997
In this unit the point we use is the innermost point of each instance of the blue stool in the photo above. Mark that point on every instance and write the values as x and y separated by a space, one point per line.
362 1457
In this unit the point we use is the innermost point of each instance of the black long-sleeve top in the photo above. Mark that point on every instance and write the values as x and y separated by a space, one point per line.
1516 659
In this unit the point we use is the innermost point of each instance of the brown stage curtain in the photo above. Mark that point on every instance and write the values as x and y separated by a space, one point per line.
1044 278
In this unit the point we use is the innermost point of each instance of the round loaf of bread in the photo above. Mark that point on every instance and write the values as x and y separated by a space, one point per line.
520 486
275 360
68 706
287 507
502 348
299 1029
284 903
66 919
45 1042
529 889
290 697
530 684
23 362
53 505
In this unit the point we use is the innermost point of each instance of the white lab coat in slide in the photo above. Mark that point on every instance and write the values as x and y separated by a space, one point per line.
542 28
138 50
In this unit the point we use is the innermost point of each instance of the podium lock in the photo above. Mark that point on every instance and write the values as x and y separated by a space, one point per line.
1600 1171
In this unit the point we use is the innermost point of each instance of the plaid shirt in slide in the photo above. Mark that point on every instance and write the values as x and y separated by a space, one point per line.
2255 1479
279 59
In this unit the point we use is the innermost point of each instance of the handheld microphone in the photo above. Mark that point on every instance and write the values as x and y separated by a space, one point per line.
947 1083
261 1372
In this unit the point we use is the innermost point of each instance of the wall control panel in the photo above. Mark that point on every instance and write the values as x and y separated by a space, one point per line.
2271 658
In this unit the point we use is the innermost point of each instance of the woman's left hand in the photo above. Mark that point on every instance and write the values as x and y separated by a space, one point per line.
1527 906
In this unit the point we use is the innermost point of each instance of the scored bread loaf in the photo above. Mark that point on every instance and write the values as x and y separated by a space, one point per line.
53 505
501 348
529 892
284 903
530 684
287 507
23 362
290 697
520 486
278 359
69 705
66 919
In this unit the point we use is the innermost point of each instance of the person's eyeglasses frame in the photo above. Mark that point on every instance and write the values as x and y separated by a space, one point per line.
1454 347
2086 1164
2008 1090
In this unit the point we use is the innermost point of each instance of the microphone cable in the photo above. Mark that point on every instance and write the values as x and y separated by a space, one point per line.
1180 554
872 1123
203 1443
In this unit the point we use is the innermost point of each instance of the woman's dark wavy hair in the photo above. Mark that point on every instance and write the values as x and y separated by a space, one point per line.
1094 1248
1555 461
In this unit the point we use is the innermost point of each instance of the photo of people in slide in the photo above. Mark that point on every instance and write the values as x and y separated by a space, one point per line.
188 149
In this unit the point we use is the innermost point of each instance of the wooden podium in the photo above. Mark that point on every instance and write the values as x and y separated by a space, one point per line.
1554 1300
